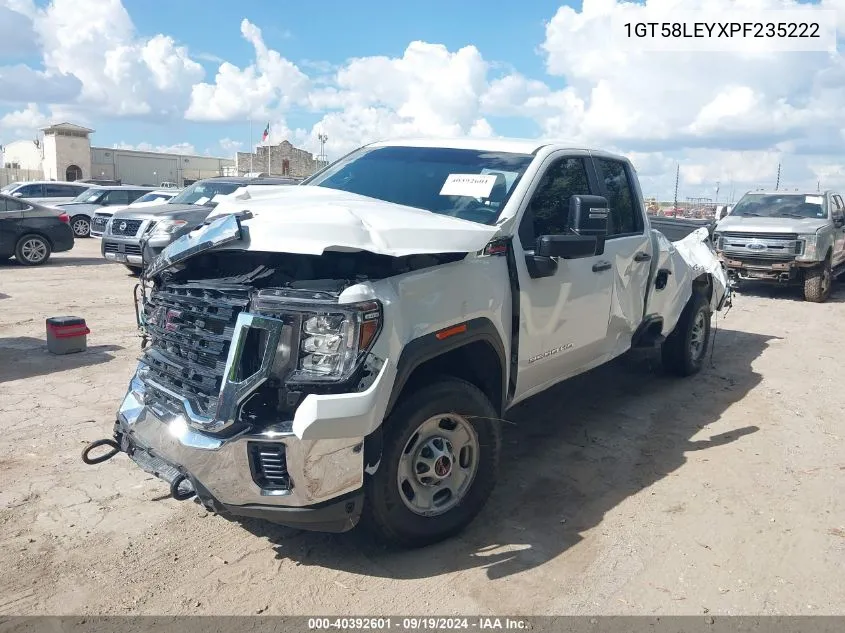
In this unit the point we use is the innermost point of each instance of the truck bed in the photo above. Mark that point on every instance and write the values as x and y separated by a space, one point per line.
678 228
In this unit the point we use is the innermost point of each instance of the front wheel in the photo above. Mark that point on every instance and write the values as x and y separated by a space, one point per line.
684 349
818 282
438 466
81 226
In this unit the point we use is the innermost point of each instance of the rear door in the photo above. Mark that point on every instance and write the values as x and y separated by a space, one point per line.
10 220
627 247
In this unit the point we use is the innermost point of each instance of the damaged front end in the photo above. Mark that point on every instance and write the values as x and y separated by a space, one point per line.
262 377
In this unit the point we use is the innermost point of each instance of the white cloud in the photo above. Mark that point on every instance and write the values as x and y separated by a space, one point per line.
269 84
23 123
119 73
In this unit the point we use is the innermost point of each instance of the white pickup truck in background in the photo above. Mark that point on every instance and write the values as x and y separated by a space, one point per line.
350 345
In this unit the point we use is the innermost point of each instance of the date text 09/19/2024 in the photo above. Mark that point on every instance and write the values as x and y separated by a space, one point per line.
417 623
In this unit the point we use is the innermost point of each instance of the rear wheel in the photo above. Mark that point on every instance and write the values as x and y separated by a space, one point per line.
684 349
81 226
438 465
32 250
818 282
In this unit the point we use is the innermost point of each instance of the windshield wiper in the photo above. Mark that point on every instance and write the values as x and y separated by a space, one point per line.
750 213
790 215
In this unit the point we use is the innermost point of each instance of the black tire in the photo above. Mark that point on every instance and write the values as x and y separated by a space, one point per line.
680 356
385 512
81 226
32 250
818 282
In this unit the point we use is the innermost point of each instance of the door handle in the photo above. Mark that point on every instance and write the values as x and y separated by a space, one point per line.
642 257
601 266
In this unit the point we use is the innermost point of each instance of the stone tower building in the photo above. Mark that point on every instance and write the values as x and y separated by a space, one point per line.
278 160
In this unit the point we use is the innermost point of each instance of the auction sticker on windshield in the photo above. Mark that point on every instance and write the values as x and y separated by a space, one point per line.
813 199
472 185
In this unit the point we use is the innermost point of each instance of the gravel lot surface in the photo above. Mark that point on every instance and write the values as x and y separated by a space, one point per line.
622 492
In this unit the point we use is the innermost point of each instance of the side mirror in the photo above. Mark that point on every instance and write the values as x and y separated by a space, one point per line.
17 194
838 218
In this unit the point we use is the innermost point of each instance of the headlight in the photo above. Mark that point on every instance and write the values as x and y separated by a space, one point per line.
327 340
166 227
717 241
810 242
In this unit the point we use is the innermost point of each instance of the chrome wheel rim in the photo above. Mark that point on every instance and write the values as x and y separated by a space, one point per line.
438 465
80 227
698 334
34 251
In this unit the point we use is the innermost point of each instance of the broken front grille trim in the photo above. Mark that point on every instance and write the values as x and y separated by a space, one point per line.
232 390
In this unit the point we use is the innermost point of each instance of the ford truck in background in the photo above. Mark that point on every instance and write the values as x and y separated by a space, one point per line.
350 345
785 237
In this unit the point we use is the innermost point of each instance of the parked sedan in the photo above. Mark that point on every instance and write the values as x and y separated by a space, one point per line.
31 232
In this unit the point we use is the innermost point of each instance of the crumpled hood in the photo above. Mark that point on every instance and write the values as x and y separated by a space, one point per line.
309 220
751 224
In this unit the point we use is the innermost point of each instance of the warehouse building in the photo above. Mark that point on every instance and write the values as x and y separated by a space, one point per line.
64 152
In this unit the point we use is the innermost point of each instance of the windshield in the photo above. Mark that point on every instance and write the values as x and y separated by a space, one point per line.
464 183
90 195
9 187
202 192
781 206
152 197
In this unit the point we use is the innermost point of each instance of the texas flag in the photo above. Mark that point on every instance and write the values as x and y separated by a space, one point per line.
266 134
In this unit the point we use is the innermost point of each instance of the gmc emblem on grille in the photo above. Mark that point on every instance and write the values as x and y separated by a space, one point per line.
756 245
167 319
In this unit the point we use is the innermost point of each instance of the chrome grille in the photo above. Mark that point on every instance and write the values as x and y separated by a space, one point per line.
190 329
128 249
125 227
98 223
767 246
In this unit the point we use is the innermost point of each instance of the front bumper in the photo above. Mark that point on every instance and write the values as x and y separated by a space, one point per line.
326 474
748 269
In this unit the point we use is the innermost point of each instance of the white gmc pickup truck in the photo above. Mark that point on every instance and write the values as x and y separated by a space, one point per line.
349 346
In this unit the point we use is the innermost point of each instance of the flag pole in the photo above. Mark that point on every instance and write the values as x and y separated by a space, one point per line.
251 146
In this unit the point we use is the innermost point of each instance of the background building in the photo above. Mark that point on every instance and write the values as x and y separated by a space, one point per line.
64 152
278 160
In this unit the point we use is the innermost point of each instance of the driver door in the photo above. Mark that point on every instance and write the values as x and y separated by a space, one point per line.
563 316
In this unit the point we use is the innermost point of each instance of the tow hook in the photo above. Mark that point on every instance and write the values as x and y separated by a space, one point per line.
182 494
86 453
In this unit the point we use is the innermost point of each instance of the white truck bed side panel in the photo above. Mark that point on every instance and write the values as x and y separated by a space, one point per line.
686 259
